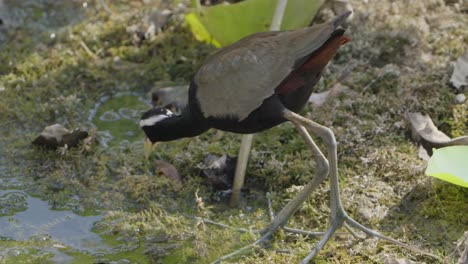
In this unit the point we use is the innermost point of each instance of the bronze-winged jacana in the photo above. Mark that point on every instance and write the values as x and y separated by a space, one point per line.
255 84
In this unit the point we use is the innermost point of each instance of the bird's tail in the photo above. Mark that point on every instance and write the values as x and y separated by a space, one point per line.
305 41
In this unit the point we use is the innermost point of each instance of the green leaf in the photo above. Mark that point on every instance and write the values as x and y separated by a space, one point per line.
450 164
199 31
226 24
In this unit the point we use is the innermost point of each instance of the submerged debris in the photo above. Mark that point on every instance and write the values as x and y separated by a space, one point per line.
219 171
56 135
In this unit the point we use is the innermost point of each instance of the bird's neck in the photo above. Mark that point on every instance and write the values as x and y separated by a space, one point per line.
180 126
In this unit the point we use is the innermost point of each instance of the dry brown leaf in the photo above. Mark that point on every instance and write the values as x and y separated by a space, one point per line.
167 170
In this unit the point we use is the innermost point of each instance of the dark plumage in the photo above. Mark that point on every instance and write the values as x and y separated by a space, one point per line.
244 88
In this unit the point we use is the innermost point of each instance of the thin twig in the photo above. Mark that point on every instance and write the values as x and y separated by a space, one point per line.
351 231
372 233
211 222
463 241
90 53
311 233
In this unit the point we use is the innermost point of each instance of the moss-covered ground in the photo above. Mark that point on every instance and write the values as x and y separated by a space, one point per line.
400 54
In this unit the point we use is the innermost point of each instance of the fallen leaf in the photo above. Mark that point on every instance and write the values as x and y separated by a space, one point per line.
318 99
167 170
422 154
450 164
459 76
425 132
56 135
341 6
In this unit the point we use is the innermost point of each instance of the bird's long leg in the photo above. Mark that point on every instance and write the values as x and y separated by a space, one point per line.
321 174
282 217
241 167
329 139
338 215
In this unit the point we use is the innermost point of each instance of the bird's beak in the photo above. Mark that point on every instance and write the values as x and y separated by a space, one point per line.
148 147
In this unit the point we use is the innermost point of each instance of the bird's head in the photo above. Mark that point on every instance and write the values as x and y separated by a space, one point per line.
153 123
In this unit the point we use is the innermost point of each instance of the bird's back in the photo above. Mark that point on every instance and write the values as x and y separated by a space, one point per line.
236 80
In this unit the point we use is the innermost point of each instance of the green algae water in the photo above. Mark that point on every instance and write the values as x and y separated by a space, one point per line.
116 118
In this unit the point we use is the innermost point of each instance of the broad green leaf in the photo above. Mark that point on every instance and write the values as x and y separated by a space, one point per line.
199 31
450 164
226 24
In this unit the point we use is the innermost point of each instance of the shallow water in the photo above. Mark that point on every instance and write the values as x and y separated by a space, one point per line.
40 14
116 118
35 220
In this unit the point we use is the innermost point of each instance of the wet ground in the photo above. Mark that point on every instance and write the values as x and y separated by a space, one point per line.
84 64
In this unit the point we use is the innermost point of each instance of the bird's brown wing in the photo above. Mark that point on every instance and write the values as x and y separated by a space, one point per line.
234 81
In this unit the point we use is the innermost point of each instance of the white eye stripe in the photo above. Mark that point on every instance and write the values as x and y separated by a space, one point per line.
152 120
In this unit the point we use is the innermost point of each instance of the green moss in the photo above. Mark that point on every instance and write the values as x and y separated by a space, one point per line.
459 120
394 51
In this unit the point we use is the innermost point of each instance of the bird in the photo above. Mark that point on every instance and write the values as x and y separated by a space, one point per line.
244 87
257 83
